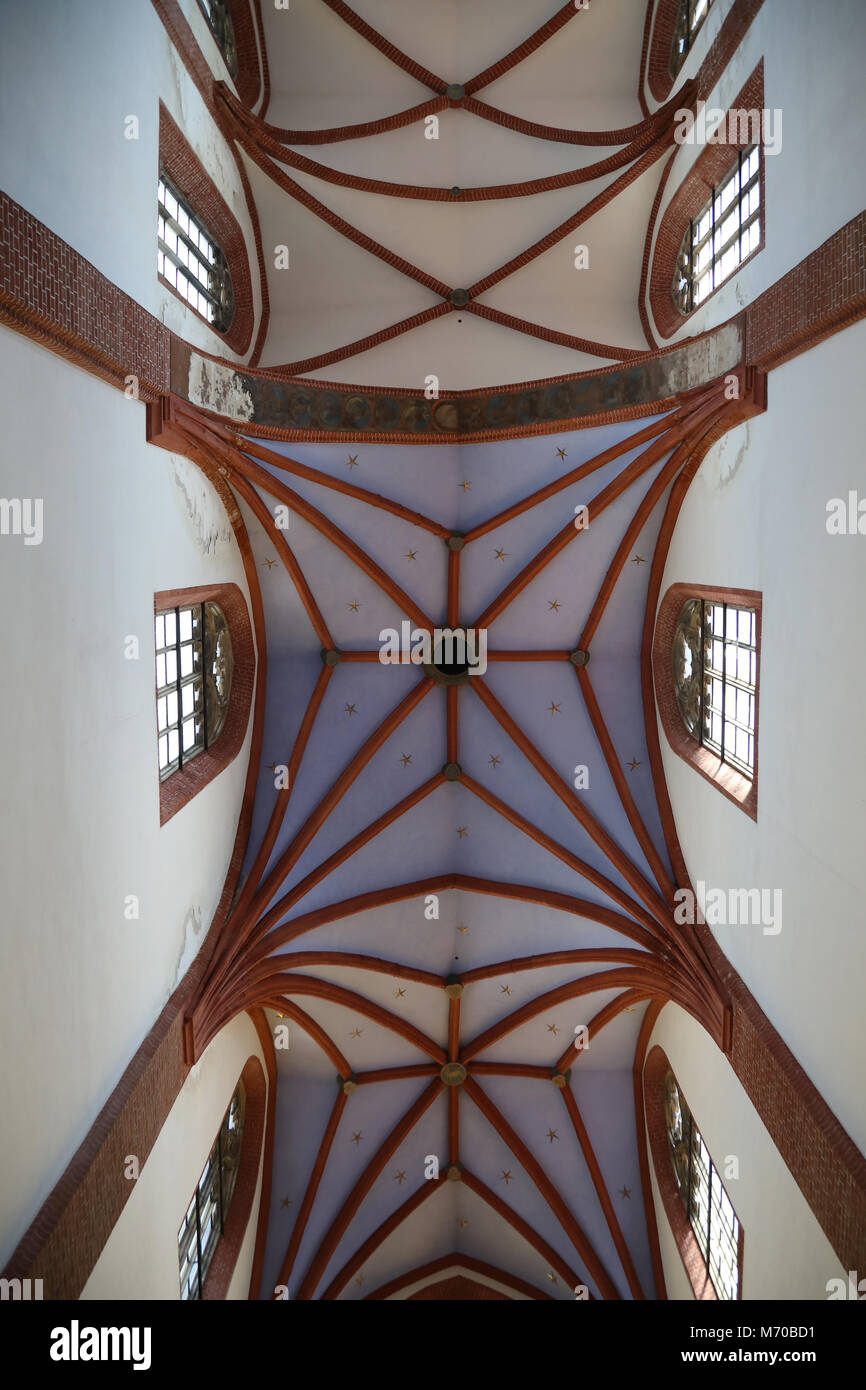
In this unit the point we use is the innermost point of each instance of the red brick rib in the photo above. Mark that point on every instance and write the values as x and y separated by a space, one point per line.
523 50
266 139
390 50
553 335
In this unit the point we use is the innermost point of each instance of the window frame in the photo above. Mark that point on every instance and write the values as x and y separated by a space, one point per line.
213 1168
217 314
686 274
184 784
656 1070
196 679
725 776
700 1160
729 682
686 33
223 33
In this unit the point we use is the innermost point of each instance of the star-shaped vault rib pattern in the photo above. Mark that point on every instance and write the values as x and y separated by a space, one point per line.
247 972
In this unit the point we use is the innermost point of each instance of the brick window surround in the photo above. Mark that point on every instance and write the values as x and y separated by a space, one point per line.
708 171
659 79
743 791
655 1070
228 1246
249 78
185 171
181 786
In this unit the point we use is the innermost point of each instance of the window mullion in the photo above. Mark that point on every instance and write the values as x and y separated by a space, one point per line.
178 689
203 683
198 1239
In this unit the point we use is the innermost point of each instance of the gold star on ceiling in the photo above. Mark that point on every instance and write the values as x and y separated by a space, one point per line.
462 930
562 453
351 709
352 461
625 1192
272 767
638 560
505 989
411 555
359 1281
285 1202
406 759
494 760
461 831
356 1033
633 764
506 1175
553 1028
554 709
552 1134
554 604
400 1176
501 555
551 1276
398 993
353 607
270 563
356 1138
467 487
462 1222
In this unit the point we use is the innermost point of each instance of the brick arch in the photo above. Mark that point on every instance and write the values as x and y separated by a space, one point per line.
188 781
188 175
249 79
743 791
695 190
656 1069
658 72
225 1256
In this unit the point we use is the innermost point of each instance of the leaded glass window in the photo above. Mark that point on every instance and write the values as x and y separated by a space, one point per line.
715 663
205 1217
725 232
709 1208
190 260
193 681
216 12
690 17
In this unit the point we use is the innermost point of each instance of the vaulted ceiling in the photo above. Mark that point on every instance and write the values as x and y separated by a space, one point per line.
411 151
445 884
428 882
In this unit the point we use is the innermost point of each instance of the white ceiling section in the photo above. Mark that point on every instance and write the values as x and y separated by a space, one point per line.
324 74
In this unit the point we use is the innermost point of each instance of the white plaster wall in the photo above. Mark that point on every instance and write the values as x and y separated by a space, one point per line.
785 1253
70 80
754 518
139 1259
813 57
79 808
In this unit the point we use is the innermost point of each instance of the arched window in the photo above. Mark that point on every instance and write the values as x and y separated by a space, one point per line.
707 1204
706 672
189 260
194 664
725 231
715 668
690 16
218 16
206 1214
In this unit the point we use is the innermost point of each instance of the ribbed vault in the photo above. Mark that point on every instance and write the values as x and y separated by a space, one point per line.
453 1033
375 258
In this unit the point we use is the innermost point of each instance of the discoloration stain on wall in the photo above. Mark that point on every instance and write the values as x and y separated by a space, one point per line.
203 509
